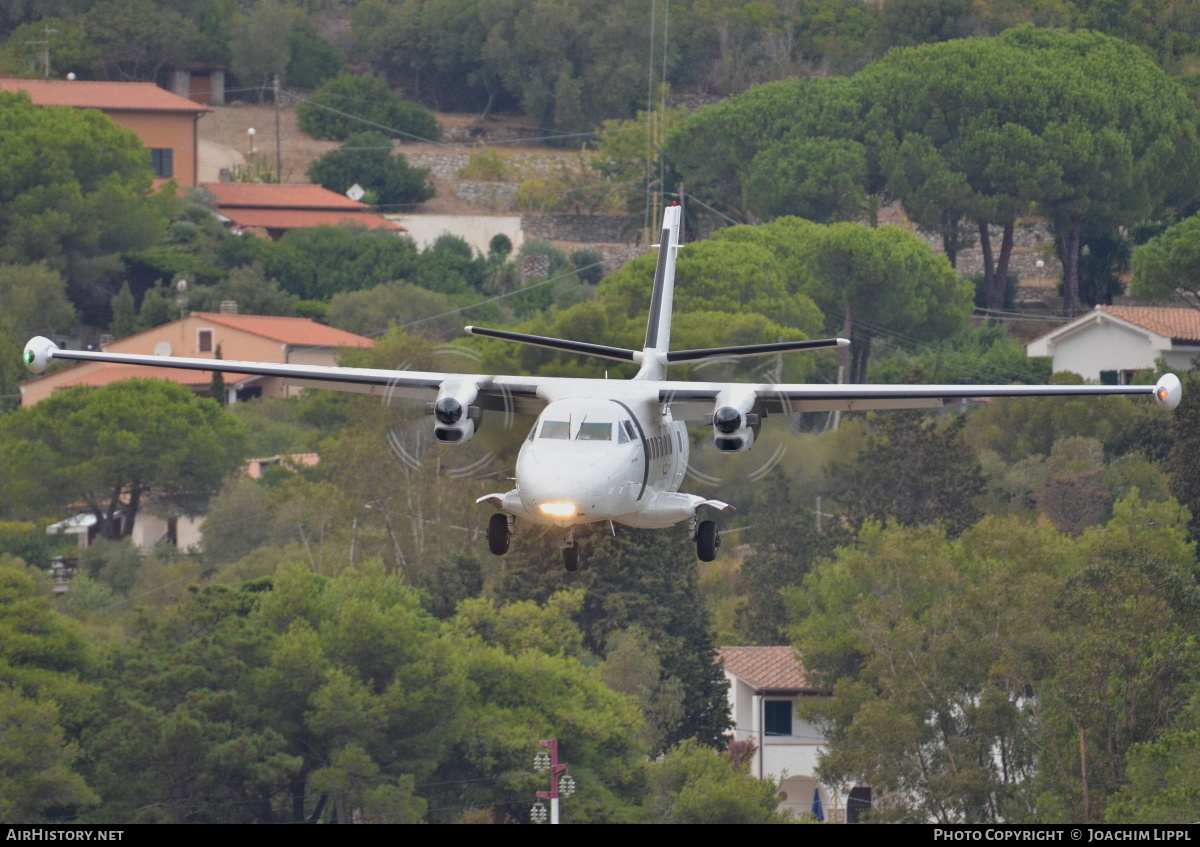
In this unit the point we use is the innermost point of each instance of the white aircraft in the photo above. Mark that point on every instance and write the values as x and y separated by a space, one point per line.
612 450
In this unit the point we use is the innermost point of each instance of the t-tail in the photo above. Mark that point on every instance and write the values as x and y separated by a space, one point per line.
662 300
656 353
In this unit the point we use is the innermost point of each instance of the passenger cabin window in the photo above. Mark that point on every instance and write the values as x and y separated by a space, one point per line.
556 429
594 432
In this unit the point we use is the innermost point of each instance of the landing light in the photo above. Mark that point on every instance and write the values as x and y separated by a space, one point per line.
558 510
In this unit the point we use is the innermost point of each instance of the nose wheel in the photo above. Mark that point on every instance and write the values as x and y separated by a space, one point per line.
570 551
707 541
499 533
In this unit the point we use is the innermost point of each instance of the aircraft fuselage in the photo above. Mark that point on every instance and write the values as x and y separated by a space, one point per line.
589 460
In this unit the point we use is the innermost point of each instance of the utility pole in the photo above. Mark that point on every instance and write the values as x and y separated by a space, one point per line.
45 42
562 784
278 149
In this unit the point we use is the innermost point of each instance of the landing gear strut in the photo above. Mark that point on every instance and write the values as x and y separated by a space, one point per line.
707 541
499 533
570 551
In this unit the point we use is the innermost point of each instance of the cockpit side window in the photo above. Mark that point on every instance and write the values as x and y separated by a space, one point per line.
622 435
594 431
556 429
627 426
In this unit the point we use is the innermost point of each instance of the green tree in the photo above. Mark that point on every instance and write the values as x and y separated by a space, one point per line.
1119 150
718 149
1184 460
694 784
914 471
311 59
124 313
71 48
316 263
373 310
1120 667
1169 265
1161 775
784 543
75 193
299 703
42 699
136 39
248 286
820 179
525 661
114 448
924 643
35 304
349 103
366 158
259 49
882 281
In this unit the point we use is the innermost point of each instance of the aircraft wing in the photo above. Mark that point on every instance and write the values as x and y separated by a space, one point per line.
693 401
494 393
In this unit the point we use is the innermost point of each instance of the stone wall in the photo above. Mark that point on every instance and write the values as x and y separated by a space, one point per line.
613 256
445 164
500 194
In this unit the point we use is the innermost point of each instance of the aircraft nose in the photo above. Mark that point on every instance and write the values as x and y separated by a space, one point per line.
566 492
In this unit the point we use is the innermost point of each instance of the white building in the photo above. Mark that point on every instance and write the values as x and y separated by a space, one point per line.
1111 343
765 684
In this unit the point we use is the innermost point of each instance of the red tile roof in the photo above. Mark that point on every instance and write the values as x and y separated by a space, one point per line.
292 206
110 96
765 668
263 195
299 332
1178 324
303 218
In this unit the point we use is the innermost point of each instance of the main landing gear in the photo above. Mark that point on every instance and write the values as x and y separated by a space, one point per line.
499 533
707 540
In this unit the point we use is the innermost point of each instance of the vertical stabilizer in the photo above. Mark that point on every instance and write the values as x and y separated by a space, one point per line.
658 326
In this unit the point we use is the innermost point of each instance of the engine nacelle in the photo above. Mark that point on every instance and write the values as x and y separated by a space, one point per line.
733 429
455 418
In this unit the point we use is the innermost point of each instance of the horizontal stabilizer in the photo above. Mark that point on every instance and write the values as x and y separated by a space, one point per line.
601 350
753 349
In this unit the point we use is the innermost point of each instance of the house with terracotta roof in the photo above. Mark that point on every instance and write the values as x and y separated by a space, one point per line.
166 122
250 338
765 686
1111 343
275 208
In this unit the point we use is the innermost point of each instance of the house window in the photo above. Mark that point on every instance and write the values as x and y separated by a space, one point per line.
778 717
204 341
162 162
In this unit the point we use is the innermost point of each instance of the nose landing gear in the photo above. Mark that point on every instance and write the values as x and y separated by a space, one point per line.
570 551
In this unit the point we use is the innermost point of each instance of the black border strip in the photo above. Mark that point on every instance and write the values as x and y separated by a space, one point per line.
751 349
645 447
601 350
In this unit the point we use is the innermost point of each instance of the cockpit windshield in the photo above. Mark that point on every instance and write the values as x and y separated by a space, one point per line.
556 429
589 431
